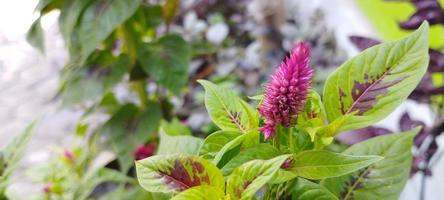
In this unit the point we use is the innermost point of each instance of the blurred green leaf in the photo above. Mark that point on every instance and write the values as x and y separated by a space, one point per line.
169 10
129 127
166 61
175 127
35 36
98 20
13 153
83 84
69 17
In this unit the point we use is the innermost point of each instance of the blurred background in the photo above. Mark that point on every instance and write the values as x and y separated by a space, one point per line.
82 70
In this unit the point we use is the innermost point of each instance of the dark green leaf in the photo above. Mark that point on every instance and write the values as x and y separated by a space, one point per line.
129 128
166 60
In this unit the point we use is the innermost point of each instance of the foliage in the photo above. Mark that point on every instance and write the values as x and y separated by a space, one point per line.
361 92
130 44
11 155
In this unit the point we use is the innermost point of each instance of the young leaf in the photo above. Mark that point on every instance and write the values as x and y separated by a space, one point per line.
316 164
382 180
215 142
248 178
228 111
372 84
185 144
203 192
256 152
166 61
302 189
176 173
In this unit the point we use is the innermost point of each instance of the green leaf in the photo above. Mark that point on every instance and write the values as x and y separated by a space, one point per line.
248 178
129 127
228 111
166 61
169 10
372 84
92 180
317 164
35 36
382 180
203 192
69 17
302 189
215 142
260 151
175 127
85 84
13 153
185 144
98 20
176 173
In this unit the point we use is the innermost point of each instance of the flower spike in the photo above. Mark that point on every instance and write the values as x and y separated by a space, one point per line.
287 90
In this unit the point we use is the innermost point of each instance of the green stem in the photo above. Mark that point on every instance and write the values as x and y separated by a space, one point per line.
290 138
276 142
139 88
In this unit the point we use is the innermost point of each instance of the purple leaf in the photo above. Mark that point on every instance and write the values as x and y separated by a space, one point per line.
363 43
429 10
353 137
436 61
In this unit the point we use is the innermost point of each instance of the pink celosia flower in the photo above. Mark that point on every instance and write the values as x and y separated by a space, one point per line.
144 151
286 91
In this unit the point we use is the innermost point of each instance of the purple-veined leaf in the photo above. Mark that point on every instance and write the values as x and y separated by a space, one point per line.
227 111
176 173
372 84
